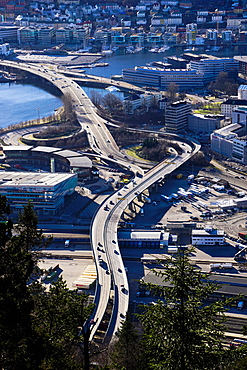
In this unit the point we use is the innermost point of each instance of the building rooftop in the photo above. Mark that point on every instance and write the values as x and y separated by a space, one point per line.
32 179
228 130
235 101
207 232
140 234
84 162
46 149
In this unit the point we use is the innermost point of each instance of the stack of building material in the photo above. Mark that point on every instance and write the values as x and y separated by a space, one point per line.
87 278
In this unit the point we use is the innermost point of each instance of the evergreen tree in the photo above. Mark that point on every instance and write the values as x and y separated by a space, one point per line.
58 316
183 332
39 329
126 353
16 265
32 238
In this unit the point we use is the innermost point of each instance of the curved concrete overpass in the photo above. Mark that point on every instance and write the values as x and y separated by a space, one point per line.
111 272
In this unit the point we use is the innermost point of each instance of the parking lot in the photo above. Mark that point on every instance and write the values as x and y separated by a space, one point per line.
70 269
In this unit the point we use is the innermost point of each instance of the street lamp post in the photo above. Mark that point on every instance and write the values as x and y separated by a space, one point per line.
38 109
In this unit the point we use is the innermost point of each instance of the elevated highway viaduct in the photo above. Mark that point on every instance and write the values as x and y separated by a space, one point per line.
110 268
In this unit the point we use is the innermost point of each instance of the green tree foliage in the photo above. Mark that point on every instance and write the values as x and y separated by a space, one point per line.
184 332
126 353
150 142
32 238
39 329
58 318
16 265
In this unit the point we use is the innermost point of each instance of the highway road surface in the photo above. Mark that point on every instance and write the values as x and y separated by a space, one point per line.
109 263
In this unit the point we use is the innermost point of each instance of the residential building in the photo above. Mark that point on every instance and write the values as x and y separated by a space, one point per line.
8 33
176 116
63 35
45 35
135 101
27 35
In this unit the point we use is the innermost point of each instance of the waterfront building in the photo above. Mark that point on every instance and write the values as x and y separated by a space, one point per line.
212 34
46 191
226 36
184 78
161 78
27 35
211 66
45 35
205 123
176 116
8 33
63 35
191 33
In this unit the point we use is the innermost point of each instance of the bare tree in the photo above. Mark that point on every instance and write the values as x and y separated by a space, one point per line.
96 98
172 91
112 102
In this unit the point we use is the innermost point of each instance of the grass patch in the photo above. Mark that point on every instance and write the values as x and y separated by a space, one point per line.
209 109
134 152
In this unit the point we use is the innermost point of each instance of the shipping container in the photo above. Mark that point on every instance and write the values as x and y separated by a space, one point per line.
243 235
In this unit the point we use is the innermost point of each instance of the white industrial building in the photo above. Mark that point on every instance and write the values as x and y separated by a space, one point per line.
207 236
221 140
145 238
45 190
